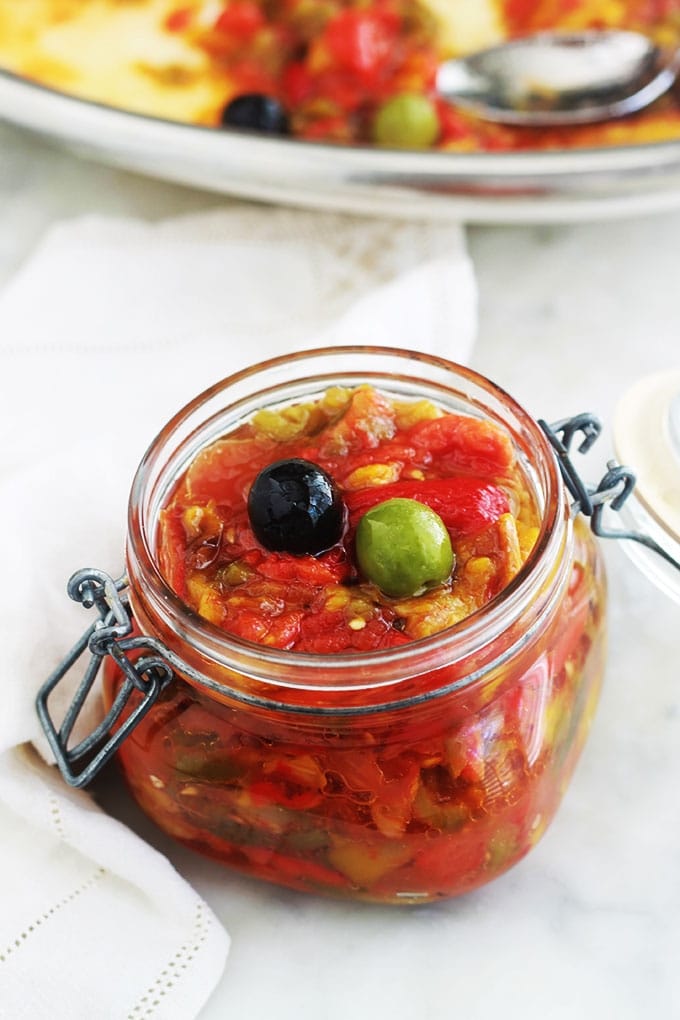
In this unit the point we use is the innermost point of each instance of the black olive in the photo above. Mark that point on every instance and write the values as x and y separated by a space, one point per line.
256 112
294 507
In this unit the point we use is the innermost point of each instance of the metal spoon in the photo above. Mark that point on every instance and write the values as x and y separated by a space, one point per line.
560 78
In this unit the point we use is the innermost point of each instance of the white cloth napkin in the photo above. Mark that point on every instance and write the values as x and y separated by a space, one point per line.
108 329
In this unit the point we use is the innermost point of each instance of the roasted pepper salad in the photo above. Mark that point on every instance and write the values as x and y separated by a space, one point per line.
348 72
358 523
375 451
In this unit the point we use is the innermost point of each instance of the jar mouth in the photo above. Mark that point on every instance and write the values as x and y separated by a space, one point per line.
234 400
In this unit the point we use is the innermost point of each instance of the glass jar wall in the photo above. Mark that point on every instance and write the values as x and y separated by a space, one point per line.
398 775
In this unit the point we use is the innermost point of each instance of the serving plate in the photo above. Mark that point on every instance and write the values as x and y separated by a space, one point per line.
474 187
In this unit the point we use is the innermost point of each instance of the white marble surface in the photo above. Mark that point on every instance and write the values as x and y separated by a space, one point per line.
588 925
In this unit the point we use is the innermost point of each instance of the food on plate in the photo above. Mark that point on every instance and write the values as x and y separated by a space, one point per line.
350 529
345 71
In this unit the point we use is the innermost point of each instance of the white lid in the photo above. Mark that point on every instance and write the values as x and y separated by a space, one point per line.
647 440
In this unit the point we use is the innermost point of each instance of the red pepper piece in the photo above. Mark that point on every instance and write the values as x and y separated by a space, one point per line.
179 19
288 795
172 550
308 569
341 88
336 129
241 19
529 16
328 634
292 870
574 622
455 860
218 471
280 631
460 443
368 421
341 468
465 504
361 41
453 125
298 83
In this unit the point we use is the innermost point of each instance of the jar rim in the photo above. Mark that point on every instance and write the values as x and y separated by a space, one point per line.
372 669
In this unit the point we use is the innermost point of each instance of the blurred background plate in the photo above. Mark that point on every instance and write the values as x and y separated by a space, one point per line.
479 188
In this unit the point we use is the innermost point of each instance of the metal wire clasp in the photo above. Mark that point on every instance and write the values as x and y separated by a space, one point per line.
613 490
108 635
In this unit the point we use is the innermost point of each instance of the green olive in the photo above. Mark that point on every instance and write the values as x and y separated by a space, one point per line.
406 121
403 547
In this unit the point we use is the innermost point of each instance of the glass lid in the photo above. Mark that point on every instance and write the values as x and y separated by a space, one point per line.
647 437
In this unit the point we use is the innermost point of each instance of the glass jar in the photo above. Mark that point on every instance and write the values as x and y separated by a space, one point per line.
402 775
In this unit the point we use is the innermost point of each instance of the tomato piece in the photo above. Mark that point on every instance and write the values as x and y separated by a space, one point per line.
179 19
453 127
250 76
241 19
294 870
496 547
309 569
520 12
329 633
298 83
460 443
341 88
528 15
369 419
453 859
172 548
295 783
361 41
387 453
216 471
287 795
280 631
465 504
574 626
335 128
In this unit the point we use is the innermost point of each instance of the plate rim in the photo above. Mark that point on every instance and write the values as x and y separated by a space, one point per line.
533 162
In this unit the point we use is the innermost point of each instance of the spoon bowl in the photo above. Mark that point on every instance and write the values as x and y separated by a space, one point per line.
560 79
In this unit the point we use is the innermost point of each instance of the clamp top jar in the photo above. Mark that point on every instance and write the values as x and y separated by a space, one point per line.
305 717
